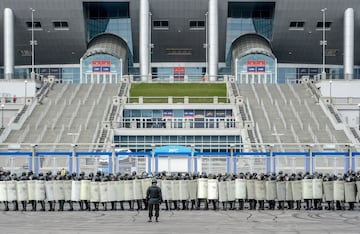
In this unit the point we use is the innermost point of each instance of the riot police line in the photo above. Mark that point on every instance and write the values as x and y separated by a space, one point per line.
180 191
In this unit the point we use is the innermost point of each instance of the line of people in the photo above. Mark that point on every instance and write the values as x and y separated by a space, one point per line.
184 191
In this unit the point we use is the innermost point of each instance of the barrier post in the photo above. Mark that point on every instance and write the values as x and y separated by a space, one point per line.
113 158
153 158
311 166
33 161
350 157
192 160
74 161
272 167
232 167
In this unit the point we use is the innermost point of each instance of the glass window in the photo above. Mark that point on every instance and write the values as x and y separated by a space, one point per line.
319 25
37 25
196 24
61 25
296 25
161 24
135 113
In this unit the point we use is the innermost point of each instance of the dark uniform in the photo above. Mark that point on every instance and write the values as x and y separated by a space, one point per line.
154 198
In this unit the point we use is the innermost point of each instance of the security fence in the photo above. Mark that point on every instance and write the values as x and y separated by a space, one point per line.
193 162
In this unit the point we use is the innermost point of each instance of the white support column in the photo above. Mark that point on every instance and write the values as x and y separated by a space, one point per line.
349 44
8 43
213 39
144 39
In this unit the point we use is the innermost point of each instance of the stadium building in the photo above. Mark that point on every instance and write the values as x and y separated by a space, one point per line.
289 70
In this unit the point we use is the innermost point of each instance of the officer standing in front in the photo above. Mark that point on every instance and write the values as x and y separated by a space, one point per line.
154 198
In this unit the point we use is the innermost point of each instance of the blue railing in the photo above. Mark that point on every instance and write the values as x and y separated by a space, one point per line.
34 160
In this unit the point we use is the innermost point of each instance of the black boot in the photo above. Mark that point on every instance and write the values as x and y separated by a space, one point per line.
16 205
338 205
298 205
176 207
61 205
351 205
104 204
308 204
241 204
87 205
6 203
261 205
193 205
33 204
198 204
113 205
81 205
206 205
23 203
71 206
42 204
121 205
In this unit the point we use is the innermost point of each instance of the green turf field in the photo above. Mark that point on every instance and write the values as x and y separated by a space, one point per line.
164 90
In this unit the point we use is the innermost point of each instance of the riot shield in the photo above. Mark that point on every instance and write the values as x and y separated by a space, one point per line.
75 190
230 185
339 191
3 191
137 187
223 196
22 191
31 190
250 188
240 189
166 190
260 193
297 190
212 192
192 189
11 190
317 189
281 190
40 190
94 192
183 190
271 190
202 188
307 189
328 190
112 191
288 189
67 189
103 191
175 190
129 192
85 190
59 193
350 191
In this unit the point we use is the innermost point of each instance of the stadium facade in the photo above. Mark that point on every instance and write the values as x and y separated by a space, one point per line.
270 41
241 43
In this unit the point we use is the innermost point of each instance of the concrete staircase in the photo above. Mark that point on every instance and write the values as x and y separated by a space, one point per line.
70 113
287 113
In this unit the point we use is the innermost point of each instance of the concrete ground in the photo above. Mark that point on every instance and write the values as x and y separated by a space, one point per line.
202 221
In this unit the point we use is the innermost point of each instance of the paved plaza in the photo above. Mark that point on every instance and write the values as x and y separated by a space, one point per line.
182 222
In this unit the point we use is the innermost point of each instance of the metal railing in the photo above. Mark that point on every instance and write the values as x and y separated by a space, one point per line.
75 158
